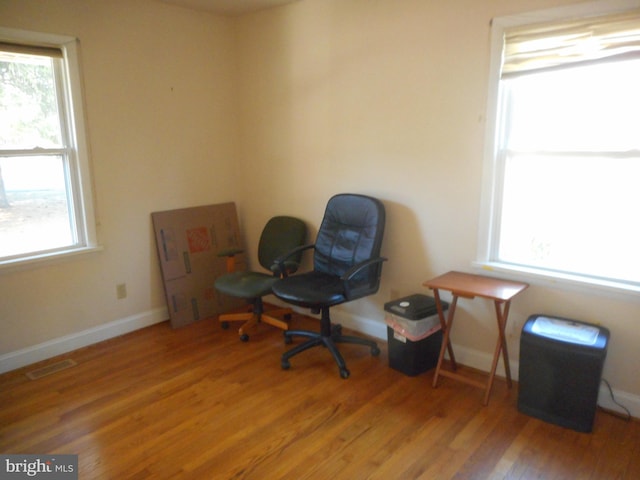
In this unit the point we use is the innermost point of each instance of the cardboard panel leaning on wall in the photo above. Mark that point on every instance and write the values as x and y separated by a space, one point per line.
188 241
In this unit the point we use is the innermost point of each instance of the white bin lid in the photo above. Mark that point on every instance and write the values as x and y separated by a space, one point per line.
565 330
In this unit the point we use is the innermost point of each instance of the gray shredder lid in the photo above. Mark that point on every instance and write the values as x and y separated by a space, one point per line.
565 330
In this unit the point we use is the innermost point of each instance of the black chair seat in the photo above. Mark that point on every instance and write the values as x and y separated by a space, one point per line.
311 289
245 284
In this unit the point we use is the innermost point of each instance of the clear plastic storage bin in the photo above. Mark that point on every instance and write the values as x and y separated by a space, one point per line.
414 333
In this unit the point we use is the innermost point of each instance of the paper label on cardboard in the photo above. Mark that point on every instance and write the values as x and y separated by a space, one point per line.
198 239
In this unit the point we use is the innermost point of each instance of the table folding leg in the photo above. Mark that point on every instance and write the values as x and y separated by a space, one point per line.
469 286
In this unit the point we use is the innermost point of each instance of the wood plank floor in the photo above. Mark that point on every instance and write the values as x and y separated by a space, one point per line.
198 403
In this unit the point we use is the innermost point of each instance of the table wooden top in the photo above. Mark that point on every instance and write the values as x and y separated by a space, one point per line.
470 285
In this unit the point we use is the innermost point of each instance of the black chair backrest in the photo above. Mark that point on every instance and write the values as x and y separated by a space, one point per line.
281 235
351 232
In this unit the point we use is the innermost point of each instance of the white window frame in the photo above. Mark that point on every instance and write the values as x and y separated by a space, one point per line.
79 167
493 172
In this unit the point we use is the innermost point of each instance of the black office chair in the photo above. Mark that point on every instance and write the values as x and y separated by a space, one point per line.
346 266
280 235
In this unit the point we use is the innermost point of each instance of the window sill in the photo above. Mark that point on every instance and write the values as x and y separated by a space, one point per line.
545 278
49 258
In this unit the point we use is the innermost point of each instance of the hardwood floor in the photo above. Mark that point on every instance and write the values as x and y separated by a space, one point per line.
198 403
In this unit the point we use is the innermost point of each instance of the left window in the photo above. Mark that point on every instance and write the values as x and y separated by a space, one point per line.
46 205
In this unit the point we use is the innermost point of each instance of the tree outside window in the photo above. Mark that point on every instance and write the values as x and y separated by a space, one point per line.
45 201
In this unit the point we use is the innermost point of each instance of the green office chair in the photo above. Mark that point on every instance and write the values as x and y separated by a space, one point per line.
280 235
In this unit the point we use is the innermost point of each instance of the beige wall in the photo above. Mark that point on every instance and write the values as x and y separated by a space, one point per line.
388 98
383 97
160 107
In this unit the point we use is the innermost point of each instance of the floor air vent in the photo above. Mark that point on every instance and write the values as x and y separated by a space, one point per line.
51 369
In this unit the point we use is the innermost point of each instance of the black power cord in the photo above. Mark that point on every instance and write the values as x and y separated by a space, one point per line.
626 417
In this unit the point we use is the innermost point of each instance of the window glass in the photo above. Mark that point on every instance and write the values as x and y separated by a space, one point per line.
589 108
28 102
37 216
572 214
45 196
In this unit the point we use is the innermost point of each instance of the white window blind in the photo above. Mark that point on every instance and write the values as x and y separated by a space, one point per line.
561 44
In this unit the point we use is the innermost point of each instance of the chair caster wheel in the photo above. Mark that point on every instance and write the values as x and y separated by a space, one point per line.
288 339
375 351
244 337
285 364
344 373
224 325
287 316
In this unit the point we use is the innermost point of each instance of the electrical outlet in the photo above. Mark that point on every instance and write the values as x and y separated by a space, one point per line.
121 291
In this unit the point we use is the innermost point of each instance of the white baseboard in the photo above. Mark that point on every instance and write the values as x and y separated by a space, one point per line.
482 361
629 401
36 353
374 328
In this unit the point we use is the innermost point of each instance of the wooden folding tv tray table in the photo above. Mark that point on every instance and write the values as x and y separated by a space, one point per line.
467 285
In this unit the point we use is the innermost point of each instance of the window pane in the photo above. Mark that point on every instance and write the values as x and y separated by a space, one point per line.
46 206
28 102
572 214
592 108
34 210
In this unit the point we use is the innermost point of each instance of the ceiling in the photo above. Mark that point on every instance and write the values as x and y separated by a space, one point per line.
229 7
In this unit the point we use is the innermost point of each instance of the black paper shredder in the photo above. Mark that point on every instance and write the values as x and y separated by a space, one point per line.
561 362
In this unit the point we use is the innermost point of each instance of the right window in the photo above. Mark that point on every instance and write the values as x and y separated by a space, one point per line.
565 166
